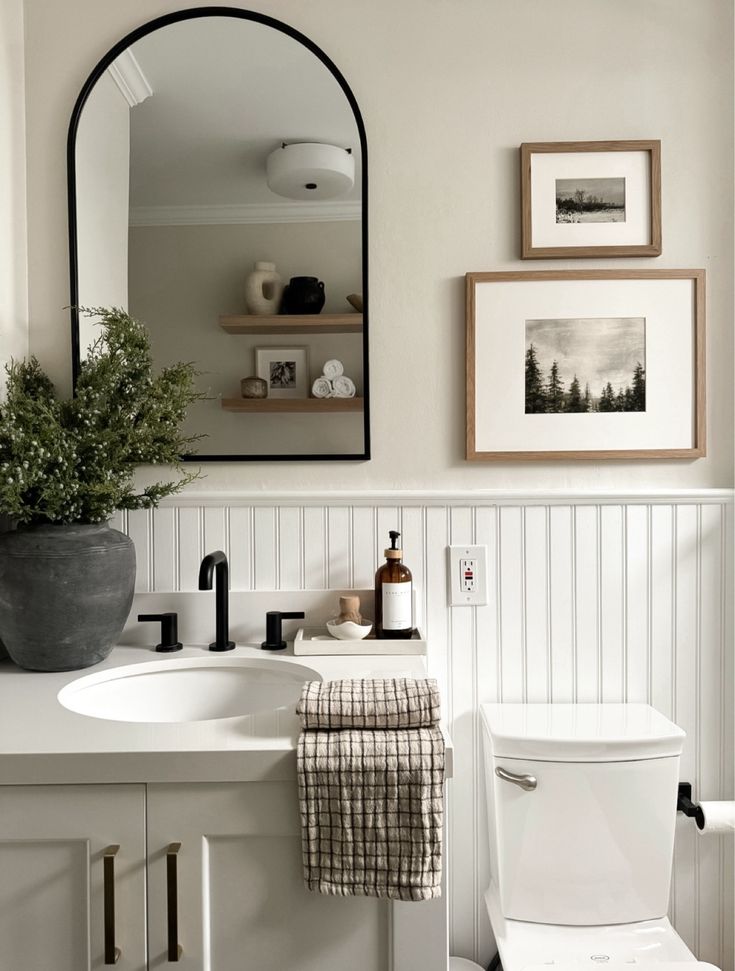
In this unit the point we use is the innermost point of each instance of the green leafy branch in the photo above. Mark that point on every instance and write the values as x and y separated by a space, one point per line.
75 460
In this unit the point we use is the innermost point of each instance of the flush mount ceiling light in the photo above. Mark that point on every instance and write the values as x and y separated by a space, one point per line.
310 170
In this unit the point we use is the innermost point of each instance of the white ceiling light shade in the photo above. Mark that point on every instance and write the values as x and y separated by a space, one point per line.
310 170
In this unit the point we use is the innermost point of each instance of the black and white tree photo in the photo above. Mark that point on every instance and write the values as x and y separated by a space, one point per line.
605 356
590 200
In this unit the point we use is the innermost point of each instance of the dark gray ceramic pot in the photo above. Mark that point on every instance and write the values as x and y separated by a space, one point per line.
65 594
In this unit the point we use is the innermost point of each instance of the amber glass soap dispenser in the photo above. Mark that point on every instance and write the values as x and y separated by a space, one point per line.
393 595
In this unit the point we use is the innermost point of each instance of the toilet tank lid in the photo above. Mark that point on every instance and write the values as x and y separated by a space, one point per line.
581 733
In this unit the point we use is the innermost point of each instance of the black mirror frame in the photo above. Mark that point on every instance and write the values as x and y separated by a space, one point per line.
147 28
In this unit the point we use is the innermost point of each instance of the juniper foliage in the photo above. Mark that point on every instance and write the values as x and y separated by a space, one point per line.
74 460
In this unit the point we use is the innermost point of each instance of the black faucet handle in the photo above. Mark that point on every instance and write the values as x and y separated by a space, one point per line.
169 630
273 634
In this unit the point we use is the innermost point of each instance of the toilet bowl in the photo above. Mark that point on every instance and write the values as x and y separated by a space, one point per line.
581 819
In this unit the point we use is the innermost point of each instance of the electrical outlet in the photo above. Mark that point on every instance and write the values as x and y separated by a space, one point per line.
467 575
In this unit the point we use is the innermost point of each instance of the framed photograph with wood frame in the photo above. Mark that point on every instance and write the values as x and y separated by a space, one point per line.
285 370
585 364
590 199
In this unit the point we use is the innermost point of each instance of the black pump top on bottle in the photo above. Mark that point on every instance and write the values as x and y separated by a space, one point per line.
394 552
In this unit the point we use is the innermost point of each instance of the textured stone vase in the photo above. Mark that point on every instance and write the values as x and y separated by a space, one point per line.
263 289
65 594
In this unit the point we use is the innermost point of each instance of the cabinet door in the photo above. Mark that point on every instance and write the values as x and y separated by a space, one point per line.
241 902
52 887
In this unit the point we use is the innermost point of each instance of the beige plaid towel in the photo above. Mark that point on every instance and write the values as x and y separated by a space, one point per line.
371 804
378 703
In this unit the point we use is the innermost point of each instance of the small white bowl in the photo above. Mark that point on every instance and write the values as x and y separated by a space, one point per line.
348 630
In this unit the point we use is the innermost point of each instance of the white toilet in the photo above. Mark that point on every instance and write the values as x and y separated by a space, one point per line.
581 813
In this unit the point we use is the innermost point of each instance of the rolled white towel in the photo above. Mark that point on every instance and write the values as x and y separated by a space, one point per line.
322 388
343 387
332 369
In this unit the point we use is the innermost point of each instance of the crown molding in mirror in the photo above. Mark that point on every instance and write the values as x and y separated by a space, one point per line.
276 212
130 79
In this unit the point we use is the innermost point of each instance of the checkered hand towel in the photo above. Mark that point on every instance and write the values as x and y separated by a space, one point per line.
378 703
371 804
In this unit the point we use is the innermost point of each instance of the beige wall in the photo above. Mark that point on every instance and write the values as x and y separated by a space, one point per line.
448 91
13 258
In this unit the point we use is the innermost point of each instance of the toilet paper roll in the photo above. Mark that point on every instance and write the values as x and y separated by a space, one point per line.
719 817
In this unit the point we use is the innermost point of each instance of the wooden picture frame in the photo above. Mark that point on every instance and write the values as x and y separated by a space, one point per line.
596 325
285 370
590 199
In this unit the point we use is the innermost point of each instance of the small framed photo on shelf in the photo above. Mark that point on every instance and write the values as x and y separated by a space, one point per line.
585 364
285 370
590 199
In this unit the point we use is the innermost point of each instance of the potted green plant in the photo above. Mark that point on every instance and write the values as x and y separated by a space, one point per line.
66 577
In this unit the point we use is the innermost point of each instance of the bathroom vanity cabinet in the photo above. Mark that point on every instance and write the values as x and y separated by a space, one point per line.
233 851
72 787
52 844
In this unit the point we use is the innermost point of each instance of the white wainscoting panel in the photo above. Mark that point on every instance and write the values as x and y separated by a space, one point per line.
592 599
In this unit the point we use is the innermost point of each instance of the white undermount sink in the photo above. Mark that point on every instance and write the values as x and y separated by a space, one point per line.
187 689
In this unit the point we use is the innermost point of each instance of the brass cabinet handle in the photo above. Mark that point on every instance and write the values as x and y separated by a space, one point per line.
527 782
175 950
112 953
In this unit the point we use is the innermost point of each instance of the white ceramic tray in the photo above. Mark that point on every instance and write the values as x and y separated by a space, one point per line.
316 640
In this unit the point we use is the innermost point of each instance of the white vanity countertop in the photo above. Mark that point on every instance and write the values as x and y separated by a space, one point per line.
43 742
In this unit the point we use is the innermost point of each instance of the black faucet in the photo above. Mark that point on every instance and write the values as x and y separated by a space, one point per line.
216 564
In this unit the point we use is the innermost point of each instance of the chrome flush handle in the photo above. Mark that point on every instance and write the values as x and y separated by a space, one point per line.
527 782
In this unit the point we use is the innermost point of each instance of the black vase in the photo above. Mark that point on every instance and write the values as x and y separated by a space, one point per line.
303 295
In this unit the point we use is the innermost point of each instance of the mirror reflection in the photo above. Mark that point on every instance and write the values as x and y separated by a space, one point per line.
218 197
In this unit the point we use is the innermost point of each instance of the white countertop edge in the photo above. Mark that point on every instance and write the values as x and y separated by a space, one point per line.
41 742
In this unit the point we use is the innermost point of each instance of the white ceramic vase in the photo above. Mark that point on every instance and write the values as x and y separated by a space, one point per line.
263 289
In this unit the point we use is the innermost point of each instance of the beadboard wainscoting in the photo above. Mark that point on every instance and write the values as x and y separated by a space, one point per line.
591 599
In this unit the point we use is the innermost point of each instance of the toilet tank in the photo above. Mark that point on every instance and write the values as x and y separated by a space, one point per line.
592 841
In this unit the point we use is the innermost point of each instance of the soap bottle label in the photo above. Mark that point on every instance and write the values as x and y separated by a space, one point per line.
397 606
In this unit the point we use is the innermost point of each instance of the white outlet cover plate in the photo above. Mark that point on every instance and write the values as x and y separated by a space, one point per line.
458 597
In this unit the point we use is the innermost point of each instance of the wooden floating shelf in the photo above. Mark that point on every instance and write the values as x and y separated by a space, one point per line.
283 405
291 323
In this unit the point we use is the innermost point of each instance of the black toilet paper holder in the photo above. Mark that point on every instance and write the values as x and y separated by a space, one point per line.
685 805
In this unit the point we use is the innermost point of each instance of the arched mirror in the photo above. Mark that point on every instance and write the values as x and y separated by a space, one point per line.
202 144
